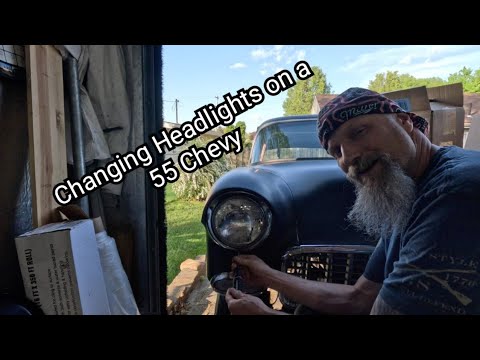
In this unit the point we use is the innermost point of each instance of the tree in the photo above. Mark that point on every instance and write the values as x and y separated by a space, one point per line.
431 82
392 80
469 79
243 131
236 160
197 184
378 84
300 97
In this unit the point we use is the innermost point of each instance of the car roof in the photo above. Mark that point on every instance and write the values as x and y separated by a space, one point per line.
287 119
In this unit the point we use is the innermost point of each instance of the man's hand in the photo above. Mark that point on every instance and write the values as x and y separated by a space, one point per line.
254 271
240 303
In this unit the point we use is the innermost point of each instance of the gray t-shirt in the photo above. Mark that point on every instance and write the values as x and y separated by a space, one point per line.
433 266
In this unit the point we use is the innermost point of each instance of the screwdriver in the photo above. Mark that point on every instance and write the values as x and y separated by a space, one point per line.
238 282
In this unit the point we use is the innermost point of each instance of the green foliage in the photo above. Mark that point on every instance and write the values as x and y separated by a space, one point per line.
185 232
300 97
243 130
392 80
469 78
197 185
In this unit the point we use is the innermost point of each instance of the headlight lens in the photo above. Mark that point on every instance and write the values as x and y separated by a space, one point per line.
240 222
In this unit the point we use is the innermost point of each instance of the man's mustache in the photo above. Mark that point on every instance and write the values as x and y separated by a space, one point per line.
363 164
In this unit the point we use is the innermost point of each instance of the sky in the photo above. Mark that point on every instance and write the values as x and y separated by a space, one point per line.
196 75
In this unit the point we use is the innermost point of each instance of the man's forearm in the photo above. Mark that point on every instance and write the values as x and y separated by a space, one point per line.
320 296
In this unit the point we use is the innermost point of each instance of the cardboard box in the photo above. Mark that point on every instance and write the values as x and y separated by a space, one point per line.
441 106
61 269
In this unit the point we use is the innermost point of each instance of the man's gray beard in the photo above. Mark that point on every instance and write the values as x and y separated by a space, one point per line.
385 203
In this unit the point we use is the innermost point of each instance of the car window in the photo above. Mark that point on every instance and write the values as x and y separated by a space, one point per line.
286 141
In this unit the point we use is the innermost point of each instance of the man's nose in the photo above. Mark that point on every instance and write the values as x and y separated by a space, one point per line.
350 155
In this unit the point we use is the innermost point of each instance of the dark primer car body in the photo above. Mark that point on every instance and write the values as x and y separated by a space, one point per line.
288 207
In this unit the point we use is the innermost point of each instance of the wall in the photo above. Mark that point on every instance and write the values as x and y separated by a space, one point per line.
15 195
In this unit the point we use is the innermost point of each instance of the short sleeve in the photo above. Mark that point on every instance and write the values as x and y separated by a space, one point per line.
375 269
438 267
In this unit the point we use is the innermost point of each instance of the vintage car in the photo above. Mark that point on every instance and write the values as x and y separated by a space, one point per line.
288 207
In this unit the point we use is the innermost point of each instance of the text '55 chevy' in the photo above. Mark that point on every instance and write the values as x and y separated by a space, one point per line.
289 207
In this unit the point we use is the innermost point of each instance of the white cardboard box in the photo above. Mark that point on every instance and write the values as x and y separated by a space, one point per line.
61 269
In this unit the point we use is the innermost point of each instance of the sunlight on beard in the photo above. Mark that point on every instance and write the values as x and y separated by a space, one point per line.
384 202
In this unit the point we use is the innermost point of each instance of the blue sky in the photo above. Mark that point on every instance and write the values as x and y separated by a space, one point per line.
197 74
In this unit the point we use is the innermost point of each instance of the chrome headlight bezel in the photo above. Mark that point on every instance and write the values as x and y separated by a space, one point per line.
262 206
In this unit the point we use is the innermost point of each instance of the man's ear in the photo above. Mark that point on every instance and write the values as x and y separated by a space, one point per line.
405 122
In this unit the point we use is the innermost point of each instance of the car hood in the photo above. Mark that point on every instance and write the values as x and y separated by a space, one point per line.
306 176
313 192
321 197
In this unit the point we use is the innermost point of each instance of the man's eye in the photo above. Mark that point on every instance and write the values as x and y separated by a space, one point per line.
359 131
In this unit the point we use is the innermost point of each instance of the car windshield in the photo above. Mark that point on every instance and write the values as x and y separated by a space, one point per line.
288 140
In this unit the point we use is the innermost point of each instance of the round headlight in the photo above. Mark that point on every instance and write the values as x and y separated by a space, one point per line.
240 223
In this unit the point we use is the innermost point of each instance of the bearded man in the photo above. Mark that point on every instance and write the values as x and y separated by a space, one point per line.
420 201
